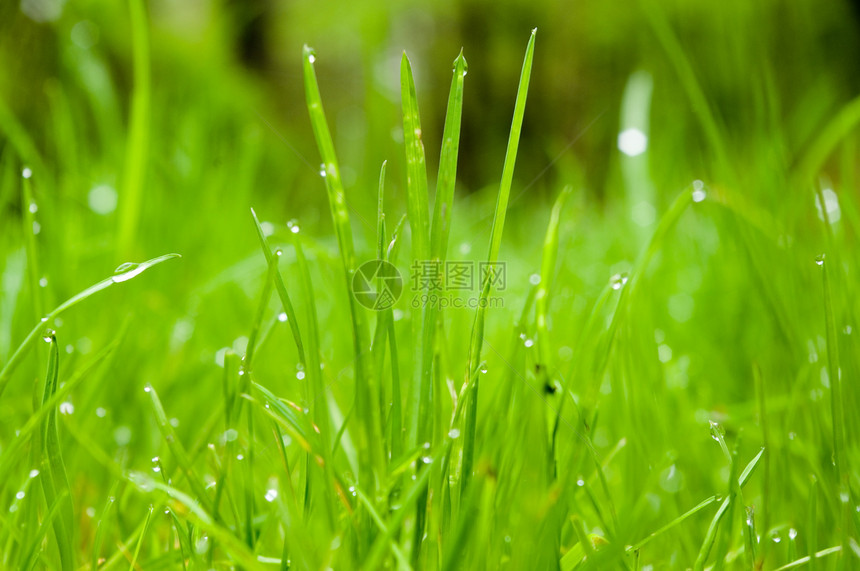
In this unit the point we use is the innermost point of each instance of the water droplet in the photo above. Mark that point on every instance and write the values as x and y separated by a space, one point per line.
352 490
282 317
454 433
33 208
102 199
174 422
534 279
294 227
312 58
426 446
529 342
699 193
36 227
240 457
792 533
580 482
300 375
271 494
617 281
67 408
819 260
483 369
632 142
323 171
717 431
776 538
230 435
202 545
147 388
844 497
91 511
122 435
20 495
33 473
26 173
426 459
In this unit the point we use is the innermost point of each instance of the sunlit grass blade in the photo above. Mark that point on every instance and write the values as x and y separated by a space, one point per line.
492 257
137 145
55 482
369 433
102 528
812 160
123 273
810 559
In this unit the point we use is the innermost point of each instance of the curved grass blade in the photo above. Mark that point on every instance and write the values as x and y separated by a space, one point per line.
123 273
32 552
492 257
140 539
369 433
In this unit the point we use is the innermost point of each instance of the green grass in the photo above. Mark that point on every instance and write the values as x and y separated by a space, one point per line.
667 379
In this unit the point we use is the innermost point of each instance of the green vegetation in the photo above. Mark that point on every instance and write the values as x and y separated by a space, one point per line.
652 364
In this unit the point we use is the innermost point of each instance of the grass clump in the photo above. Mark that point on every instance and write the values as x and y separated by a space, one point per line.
616 389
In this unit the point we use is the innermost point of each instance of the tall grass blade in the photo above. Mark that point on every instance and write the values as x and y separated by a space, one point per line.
55 482
492 257
137 146
369 433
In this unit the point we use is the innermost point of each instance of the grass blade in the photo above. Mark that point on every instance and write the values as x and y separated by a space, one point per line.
123 273
137 147
492 257
369 433
55 482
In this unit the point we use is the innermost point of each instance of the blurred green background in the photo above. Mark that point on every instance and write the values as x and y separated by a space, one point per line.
737 95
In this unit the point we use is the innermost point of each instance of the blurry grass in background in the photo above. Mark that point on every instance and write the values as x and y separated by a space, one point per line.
712 155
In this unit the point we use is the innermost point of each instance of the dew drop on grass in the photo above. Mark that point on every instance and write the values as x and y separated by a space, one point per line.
528 342
699 193
618 281
352 490
147 388
36 227
240 457
20 495
312 58
819 260
792 534
33 473
67 408
282 317
300 375
580 482
454 433
91 512
33 208
271 494
534 279
483 369
717 431
427 459
294 226
230 435
26 173
322 171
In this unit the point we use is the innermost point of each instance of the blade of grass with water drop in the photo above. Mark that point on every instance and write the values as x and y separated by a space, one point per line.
141 537
178 450
677 521
281 288
137 146
492 257
369 433
102 526
711 534
317 398
124 273
417 209
55 482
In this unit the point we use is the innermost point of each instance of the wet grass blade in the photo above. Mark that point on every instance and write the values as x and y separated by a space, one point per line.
677 521
369 433
281 288
492 257
55 482
141 538
178 450
123 273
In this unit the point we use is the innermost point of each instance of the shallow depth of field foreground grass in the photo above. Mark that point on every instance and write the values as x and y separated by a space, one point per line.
637 355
